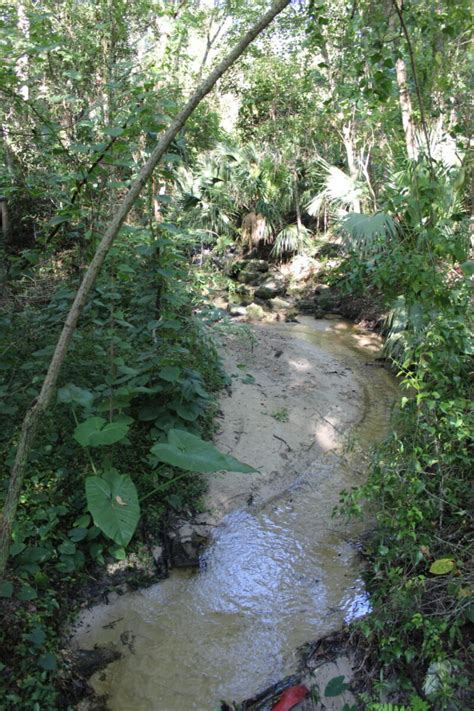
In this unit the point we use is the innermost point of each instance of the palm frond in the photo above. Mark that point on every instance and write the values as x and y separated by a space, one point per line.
368 233
290 240
339 190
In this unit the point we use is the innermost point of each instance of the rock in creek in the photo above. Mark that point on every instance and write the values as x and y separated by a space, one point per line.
252 265
278 304
275 286
185 544
255 312
89 661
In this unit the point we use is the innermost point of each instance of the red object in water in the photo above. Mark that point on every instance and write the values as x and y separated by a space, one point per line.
291 697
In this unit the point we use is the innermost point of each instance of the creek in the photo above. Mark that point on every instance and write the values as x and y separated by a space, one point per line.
279 570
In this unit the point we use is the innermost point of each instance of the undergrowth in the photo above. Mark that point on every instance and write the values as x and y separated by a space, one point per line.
141 359
419 488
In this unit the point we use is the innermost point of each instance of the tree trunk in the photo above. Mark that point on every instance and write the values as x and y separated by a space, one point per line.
34 414
348 138
22 63
406 108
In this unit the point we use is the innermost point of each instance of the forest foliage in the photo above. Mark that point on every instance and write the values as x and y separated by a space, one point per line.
344 121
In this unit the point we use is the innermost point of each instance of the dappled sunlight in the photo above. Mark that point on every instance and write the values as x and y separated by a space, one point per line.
326 436
302 366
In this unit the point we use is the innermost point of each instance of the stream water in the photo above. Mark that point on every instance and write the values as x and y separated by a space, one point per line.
276 575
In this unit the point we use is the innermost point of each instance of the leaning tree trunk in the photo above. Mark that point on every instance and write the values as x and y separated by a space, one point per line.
40 405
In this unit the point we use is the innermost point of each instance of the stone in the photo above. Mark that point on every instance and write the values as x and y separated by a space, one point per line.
250 276
157 554
248 270
326 299
320 288
330 250
278 304
306 306
246 293
270 288
236 311
255 312
258 265
186 543
87 662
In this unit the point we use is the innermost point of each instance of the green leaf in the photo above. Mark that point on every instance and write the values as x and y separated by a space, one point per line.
188 411
37 636
16 548
77 534
67 548
71 393
468 268
48 662
97 432
82 521
335 687
114 131
58 220
191 453
170 373
113 502
6 588
442 566
26 593
470 613
118 552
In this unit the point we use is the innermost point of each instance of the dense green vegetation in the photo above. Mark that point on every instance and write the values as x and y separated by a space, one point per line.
345 122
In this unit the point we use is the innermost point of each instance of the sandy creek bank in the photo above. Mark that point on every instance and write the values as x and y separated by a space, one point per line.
280 570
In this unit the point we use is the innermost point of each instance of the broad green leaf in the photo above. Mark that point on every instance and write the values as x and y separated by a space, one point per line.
37 635
97 432
335 687
17 548
80 396
118 552
113 502
67 548
442 566
188 411
170 373
82 521
27 593
191 453
468 268
47 662
6 588
77 534
85 430
114 131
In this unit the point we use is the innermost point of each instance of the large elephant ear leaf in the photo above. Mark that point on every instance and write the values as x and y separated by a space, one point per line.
97 432
112 500
191 453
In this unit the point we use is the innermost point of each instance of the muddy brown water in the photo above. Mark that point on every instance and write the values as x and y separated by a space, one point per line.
278 573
